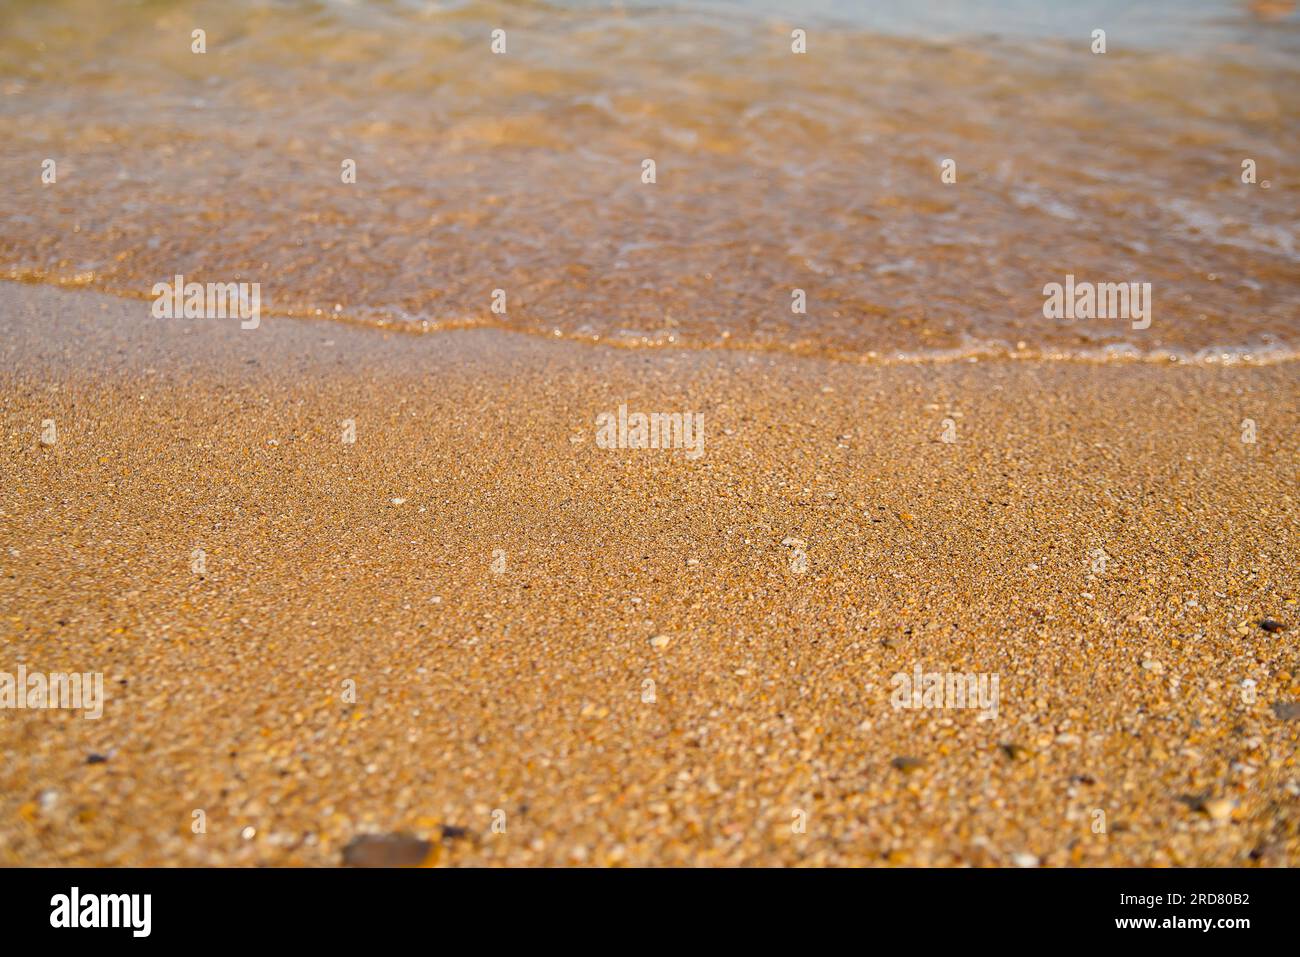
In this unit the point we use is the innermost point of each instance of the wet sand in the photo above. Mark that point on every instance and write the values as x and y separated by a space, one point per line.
523 691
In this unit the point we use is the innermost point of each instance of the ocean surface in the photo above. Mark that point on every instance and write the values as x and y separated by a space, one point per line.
775 171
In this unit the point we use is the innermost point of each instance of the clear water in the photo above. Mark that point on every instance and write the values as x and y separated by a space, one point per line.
775 171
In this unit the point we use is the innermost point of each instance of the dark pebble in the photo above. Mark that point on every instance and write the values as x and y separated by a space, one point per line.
386 850
1015 752
1271 624
1287 710
96 759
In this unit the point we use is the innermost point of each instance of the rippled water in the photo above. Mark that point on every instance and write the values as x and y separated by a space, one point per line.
775 171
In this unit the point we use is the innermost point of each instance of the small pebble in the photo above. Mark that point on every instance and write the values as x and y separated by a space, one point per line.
1287 710
1219 809
387 850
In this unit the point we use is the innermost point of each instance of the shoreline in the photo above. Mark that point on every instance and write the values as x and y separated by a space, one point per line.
523 690
1225 355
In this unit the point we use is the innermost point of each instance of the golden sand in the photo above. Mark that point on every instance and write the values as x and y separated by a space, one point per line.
500 590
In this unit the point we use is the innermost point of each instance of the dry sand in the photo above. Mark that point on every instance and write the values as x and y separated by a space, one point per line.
522 692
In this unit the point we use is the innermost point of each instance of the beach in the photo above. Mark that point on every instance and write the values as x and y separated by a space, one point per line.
445 627
641 434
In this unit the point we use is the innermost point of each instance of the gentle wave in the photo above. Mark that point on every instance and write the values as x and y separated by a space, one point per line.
775 172
1223 355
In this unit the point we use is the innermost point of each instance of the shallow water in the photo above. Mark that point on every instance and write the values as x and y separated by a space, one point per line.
775 171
